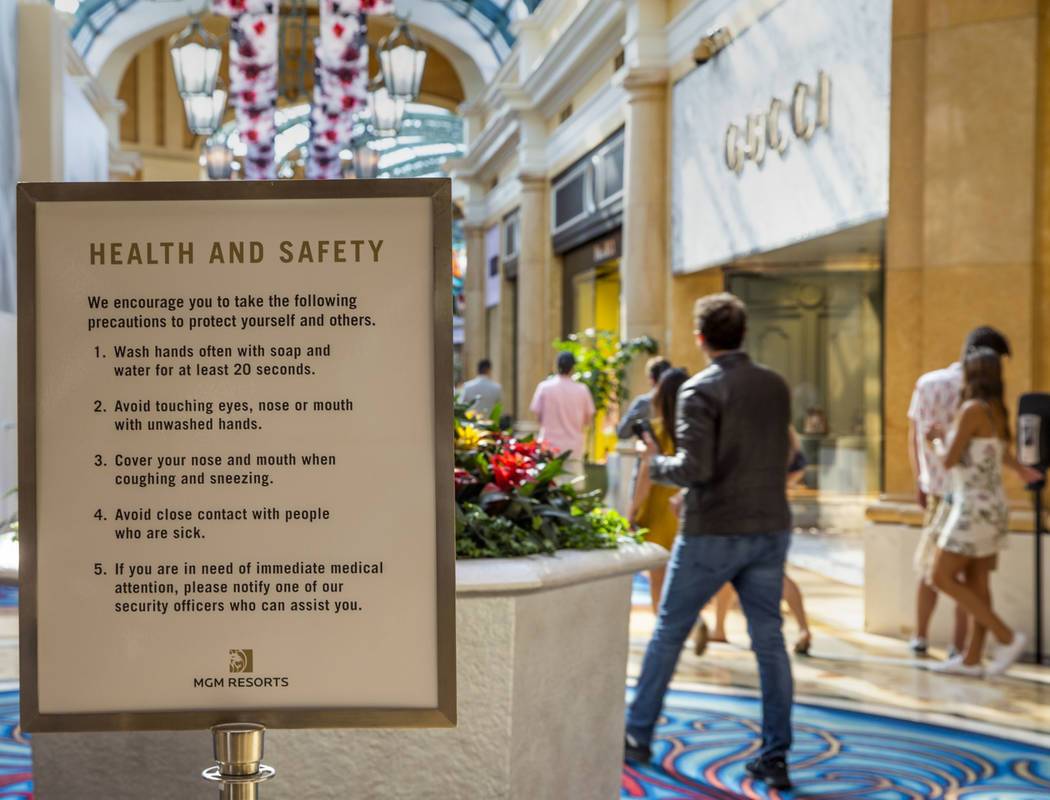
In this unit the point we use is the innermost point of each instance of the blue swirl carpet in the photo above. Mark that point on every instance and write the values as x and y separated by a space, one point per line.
704 739
16 766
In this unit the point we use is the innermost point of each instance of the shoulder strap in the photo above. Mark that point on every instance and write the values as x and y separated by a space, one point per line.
991 417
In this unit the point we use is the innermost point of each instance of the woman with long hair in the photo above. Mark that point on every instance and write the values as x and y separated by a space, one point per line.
978 522
651 503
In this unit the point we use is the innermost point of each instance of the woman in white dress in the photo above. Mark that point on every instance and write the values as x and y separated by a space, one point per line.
978 522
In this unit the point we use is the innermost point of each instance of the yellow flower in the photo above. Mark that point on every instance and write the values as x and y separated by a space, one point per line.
468 437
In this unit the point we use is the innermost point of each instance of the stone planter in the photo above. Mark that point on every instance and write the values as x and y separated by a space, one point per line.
542 651
890 537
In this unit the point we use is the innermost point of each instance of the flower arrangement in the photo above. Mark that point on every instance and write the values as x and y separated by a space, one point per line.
507 500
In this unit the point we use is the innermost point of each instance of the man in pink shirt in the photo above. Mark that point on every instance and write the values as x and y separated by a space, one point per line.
565 409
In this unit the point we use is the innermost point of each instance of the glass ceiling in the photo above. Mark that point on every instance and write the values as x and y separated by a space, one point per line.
428 136
490 18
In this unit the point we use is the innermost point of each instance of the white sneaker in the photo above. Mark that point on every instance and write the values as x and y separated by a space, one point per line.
955 666
917 645
1007 654
953 652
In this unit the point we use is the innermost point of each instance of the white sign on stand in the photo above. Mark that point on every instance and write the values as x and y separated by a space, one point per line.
235 455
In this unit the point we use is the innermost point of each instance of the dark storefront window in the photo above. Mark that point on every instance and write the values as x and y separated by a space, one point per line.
822 331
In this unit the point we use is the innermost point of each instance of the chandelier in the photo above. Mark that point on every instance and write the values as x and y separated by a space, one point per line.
260 31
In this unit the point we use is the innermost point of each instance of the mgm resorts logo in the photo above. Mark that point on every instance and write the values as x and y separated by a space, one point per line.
241 662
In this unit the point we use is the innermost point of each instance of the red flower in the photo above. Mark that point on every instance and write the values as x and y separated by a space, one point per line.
259 27
338 29
510 469
529 450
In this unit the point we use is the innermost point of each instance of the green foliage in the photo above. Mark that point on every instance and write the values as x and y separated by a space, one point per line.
507 501
602 361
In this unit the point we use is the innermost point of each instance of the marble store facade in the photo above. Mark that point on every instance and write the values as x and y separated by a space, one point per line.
779 184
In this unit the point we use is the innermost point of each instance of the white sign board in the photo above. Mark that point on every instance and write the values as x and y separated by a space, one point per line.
235 459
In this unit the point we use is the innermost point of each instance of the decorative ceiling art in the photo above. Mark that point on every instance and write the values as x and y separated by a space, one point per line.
340 80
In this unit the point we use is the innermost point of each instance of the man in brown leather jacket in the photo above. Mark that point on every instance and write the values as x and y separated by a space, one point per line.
731 455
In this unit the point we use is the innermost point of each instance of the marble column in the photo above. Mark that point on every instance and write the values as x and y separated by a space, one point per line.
644 266
535 291
475 340
967 224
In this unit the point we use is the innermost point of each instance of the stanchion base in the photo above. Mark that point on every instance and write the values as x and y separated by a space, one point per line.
264 774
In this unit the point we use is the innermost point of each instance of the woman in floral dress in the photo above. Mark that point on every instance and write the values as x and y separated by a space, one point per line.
978 522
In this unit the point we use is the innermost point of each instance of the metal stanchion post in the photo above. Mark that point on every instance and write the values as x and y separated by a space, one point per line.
1037 491
238 748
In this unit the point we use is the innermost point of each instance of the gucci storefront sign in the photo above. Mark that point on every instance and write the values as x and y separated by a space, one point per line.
809 109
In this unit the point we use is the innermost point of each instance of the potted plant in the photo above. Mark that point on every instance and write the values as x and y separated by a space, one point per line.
507 501
602 359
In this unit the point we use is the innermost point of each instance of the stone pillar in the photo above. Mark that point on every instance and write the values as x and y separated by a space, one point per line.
40 55
963 236
1041 293
475 340
644 266
535 291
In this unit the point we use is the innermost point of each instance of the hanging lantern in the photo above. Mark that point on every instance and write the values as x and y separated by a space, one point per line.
218 160
384 111
195 58
401 61
204 112
366 161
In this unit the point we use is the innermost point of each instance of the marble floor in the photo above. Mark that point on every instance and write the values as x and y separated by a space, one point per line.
846 664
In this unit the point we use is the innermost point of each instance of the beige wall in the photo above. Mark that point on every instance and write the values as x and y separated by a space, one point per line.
684 291
962 228
594 84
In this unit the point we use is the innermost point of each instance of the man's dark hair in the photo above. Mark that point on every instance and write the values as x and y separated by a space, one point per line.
721 319
655 367
566 361
985 336
484 366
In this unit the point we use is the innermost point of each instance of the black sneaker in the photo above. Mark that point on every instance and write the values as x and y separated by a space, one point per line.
772 772
634 750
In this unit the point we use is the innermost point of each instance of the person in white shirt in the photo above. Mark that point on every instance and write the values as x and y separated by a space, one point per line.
934 403
483 392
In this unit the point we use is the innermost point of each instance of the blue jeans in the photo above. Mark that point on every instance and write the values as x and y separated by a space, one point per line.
699 566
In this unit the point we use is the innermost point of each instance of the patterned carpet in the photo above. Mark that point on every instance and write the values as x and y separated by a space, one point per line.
16 777
705 739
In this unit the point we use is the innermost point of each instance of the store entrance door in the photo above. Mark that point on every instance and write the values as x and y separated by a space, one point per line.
822 331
